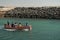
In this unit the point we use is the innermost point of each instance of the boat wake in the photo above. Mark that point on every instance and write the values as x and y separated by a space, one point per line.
10 29
1 27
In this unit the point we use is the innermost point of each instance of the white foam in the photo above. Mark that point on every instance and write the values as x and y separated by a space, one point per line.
26 29
10 29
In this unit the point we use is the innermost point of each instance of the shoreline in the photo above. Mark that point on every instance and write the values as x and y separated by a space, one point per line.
32 18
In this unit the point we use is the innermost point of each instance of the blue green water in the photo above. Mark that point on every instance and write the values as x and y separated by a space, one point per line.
43 29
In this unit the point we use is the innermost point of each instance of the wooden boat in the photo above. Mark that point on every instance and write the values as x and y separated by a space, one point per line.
25 28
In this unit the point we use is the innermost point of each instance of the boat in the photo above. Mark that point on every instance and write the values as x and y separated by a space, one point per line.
25 28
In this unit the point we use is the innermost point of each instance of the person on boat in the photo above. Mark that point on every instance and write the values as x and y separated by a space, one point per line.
26 24
7 22
20 25
15 24
12 25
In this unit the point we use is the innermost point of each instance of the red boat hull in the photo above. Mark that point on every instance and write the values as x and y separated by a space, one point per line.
17 27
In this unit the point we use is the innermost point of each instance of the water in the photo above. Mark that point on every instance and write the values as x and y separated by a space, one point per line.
43 29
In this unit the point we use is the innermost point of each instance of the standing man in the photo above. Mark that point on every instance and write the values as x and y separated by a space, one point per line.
8 22
26 24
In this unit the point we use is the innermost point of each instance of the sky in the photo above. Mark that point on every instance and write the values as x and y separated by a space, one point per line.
29 3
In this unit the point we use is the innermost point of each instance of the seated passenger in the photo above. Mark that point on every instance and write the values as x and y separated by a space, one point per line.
19 24
12 25
15 24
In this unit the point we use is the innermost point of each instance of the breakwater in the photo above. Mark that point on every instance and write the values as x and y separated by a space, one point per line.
34 12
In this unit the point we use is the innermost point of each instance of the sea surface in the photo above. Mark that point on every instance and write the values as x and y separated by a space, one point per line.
42 29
